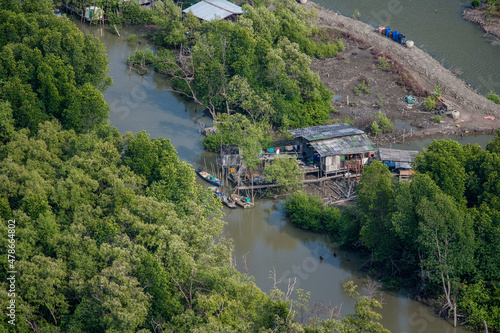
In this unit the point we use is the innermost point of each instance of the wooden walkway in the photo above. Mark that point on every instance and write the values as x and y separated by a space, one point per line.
305 181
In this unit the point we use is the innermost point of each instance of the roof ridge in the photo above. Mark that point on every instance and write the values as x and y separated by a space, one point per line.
227 10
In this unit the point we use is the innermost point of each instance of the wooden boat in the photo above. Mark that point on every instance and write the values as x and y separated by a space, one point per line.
208 177
228 201
242 201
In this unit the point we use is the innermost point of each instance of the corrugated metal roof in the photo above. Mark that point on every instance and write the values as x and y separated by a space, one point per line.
353 144
325 132
213 10
397 155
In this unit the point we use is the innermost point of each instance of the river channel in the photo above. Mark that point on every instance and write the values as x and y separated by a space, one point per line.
264 240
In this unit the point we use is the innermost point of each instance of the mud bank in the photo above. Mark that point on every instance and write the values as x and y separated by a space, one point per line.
490 23
343 73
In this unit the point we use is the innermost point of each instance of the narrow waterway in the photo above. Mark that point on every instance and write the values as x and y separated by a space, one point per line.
264 240
436 27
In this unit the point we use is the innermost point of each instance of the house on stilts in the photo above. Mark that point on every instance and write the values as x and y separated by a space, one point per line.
333 149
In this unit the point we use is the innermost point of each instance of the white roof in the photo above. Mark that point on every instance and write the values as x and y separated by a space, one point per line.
211 10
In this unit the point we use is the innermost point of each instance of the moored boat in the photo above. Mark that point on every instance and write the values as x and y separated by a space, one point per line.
242 201
208 177
228 201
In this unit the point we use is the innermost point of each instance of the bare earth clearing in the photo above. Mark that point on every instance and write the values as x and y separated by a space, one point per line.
342 73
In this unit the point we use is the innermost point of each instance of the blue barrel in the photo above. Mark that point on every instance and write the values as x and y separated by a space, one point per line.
402 39
387 31
394 35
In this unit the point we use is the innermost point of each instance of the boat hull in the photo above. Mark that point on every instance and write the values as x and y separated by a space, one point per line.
240 201
209 178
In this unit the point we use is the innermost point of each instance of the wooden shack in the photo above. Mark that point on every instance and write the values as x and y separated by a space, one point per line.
334 148
213 10
397 158
398 161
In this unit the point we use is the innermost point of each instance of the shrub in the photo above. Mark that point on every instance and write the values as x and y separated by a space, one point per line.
430 103
132 39
384 123
475 3
211 142
362 88
375 129
385 63
380 103
493 97
436 118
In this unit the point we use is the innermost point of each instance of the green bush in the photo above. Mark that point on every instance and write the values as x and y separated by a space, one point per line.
132 39
430 103
380 103
475 3
493 97
309 213
385 63
436 118
375 129
211 142
362 88
384 123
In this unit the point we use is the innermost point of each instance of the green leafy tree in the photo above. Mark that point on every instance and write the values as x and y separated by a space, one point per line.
375 199
364 319
446 237
46 76
285 172
443 161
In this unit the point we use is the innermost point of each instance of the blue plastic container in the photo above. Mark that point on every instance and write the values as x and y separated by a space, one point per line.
387 31
394 35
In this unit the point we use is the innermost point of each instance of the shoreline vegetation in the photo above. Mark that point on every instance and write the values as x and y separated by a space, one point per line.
113 234
435 237
486 14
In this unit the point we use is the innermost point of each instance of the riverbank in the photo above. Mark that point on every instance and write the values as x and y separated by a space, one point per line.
342 73
488 21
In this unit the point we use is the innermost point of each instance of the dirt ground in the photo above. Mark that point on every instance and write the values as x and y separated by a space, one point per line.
342 73
490 23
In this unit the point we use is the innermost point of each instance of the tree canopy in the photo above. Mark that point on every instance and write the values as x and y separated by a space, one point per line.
50 69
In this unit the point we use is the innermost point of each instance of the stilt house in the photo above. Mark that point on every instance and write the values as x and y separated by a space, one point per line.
335 148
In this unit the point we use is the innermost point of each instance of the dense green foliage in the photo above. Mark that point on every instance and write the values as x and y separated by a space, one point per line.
112 232
438 234
309 213
258 66
49 69
285 172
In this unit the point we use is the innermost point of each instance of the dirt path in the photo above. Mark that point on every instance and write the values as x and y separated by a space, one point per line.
472 106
